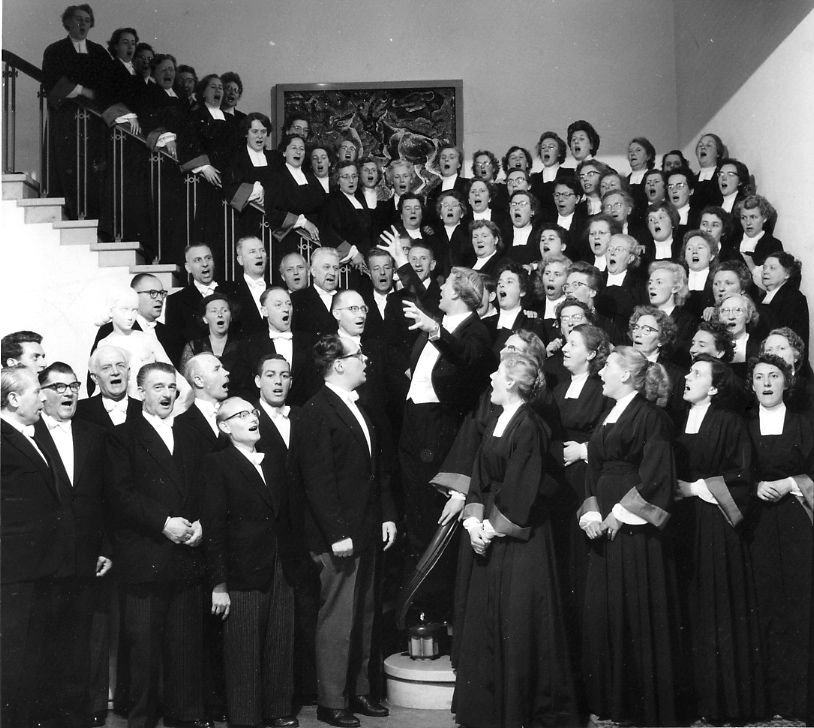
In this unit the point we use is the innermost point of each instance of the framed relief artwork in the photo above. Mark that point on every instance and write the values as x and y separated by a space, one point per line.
387 120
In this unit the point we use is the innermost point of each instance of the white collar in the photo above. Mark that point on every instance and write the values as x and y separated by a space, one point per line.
616 279
25 430
80 46
170 92
452 321
205 290
144 323
620 407
345 335
577 385
216 113
448 183
696 417
550 173
772 420
258 158
507 317
348 397
706 173
254 282
54 424
158 422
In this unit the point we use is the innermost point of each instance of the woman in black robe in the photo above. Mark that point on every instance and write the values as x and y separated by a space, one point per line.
781 527
713 461
628 619
512 668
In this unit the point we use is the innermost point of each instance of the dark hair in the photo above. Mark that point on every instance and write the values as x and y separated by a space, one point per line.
562 147
183 68
755 201
511 266
667 327
720 147
722 337
202 306
668 207
155 366
491 187
790 264
348 137
514 148
68 13
648 378
287 139
200 87
340 166
726 219
159 58
714 248
576 303
730 391
139 277
596 340
600 167
572 183
562 233
442 148
492 158
739 268
589 270
232 77
327 350
582 125
535 203
270 356
143 47
12 344
117 36
293 116
410 196
376 252
614 226
744 178
246 122
58 367
362 161
649 150
675 153
775 361
685 172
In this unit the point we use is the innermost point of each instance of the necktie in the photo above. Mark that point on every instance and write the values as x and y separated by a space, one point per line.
353 396
256 457
28 431
279 413
64 426
281 335
112 404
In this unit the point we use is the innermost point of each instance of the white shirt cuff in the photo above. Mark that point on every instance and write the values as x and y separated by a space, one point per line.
455 495
699 488
795 489
125 117
165 139
76 91
471 523
301 220
353 251
590 517
623 515
257 192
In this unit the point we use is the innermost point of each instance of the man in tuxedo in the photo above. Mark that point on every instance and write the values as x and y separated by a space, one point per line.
79 657
37 536
293 271
245 506
250 284
154 492
312 305
380 265
182 314
348 509
110 372
450 365
278 338
151 295
25 348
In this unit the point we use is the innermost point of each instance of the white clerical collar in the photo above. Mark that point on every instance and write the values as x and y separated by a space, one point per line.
697 279
565 220
771 294
664 249
323 293
637 176
601 263
616 279
748 244
353 200
507 317
209 409
683 214
170 92
381 297
485 215
706 173
551 307
505 417
729 201
414 234
257 157
772 420
325 182
80 46
577 385
216 113
297 174
448 183
620 407
550 173
370 197
450 229
696 417
480 262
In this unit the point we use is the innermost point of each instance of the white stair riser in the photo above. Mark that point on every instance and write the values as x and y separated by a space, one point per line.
77 236
44 213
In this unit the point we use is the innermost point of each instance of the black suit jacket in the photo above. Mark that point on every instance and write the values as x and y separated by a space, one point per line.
344 225
146 485
618 302
35 520
462 370
249 319
92 410
310 314
305 380
346 496
243 518
206 441
790 307
182 312
376 325
85 492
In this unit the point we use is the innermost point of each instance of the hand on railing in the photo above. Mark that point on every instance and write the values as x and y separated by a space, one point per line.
135 127
171 149
312 230
211 175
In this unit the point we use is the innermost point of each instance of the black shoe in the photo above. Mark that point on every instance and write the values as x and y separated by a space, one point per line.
200 723
98 718
365 705
340 717
285 721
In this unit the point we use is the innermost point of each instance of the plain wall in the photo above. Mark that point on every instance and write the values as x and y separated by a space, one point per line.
527 65
768 124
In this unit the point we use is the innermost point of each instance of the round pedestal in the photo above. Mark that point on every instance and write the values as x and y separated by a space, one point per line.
420 684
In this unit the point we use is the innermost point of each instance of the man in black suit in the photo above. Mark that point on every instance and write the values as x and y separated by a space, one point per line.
348 509
37 536
245 518
278 338
293 272
182 315
250 284
210 385
151 295
25 348
75 448
154 491
312 305
450 365
380 265
110 372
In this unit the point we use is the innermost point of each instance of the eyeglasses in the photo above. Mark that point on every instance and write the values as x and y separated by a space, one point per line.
644 328
519 204
617 249
563 195
676 186
549 147
354 309
349 176
732 311
155 295
613 206
575 286
586 175
242 415
728 174
577 318
450 205
511 347
60 387
356 355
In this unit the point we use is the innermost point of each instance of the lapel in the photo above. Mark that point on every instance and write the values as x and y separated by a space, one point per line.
344 413
43 438
273 437
248 471
20 442
82 443
198 422
155 447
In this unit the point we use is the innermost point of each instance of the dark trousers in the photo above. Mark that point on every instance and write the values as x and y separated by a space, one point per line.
258 646
100 634
344 626
162 622
26 623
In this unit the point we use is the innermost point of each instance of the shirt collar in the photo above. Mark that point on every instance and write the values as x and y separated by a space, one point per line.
347 396
157 422
54 424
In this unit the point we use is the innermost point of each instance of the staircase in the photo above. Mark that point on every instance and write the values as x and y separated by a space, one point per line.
55 275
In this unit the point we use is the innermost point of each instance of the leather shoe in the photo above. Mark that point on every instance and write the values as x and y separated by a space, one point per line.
285 721
98 718
365 705
340 717
200 723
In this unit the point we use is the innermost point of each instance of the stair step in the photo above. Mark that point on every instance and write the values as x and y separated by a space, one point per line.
42 209
105 247
77 232
19 186
167 273
119 257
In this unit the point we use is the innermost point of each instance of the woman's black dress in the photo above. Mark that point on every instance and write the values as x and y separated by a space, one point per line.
717 586
513 666
781 558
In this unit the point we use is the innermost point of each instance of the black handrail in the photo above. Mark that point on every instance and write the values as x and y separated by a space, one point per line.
29 69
